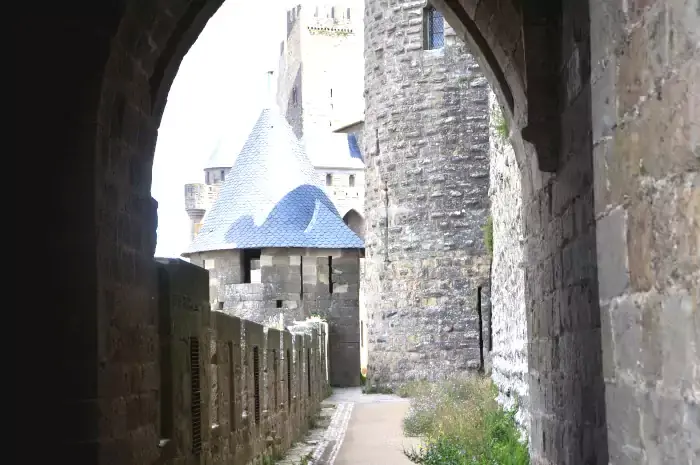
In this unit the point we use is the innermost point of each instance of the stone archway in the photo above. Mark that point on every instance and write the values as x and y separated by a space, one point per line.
611 234
355 222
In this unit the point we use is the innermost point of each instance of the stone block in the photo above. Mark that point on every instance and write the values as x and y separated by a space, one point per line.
611 249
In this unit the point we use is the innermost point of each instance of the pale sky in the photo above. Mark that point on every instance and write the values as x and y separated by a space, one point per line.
218 93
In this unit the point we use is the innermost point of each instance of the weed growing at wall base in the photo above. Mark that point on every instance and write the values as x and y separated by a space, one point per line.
462 424
488 234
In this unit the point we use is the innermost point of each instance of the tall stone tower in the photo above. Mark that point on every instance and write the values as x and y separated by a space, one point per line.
426 279
320 85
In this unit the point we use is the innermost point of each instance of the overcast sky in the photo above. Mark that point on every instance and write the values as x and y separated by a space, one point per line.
218 93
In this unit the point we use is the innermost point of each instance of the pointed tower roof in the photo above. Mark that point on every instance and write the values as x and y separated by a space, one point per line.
272 197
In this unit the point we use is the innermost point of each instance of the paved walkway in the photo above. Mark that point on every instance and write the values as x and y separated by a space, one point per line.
372 435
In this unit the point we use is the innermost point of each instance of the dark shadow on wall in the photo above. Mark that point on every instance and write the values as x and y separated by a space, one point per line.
567 394
355 222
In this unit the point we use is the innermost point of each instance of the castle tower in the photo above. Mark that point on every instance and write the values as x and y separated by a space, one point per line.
426 279
277 249
320 86
199 197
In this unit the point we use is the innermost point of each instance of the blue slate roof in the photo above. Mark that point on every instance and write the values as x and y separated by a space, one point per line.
354 147
272 197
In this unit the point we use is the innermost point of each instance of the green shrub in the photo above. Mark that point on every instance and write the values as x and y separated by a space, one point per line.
501 126
414 388
462 424
488 234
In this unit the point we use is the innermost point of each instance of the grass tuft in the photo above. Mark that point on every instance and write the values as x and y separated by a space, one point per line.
461 423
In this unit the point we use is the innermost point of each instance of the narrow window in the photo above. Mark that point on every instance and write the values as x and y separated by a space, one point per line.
251 265
294 96
301 278
231 387
221 305
330 275
196 397
351 180
329 179
289 378
490 335
256 383
433 29
300 371
223 175
279 303
481 329
316 13
333 12
206 177
348 13
308 369
204 264
362 333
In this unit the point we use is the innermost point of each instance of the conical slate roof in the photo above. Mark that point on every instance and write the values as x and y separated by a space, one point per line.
272 197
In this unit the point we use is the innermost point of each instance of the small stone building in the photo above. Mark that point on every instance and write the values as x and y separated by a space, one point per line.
276 248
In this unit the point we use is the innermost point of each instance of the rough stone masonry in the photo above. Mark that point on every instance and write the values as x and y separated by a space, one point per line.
426 151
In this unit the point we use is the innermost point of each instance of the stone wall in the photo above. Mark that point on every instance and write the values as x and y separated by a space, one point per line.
344 196
232 391
509 355
426 151
645 83
295 286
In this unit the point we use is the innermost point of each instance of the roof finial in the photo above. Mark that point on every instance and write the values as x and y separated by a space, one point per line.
270 98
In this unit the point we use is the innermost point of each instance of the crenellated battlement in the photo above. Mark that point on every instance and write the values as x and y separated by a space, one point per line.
318 18
199 196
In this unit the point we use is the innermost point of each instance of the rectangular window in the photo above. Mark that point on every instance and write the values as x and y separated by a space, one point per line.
278 304
256 383
251 266
433 29
330 275
351 180
329 179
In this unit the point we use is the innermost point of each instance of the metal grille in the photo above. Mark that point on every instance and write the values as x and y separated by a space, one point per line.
232 387
308 369
196 396
275 378
289 378
436 29
256 383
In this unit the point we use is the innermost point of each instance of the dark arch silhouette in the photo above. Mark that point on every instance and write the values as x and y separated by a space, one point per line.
355 222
